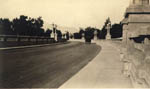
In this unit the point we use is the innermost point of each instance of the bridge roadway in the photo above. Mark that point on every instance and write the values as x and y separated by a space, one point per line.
104 71
44 67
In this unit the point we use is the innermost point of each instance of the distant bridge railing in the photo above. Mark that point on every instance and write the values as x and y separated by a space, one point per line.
14 40
7 38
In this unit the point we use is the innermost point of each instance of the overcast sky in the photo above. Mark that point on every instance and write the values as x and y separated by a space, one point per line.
69 13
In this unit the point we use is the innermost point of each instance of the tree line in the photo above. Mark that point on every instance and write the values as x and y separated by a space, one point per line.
115 31
25 26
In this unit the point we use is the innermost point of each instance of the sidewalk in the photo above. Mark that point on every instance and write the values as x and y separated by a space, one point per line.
105 71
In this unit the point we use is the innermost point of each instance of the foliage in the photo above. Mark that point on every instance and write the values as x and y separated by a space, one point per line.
28 26
5 27
89 33
67 35
24 26
48 33
77 35
59 34
81 31
103 32
116 31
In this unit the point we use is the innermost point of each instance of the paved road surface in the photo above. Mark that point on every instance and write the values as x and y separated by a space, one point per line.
48 66
104 71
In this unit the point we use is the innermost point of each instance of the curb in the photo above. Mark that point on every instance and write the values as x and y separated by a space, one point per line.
31 46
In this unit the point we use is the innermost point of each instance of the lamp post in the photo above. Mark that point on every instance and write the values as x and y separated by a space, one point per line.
54 30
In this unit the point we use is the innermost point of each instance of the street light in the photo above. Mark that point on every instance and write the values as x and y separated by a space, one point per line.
54 30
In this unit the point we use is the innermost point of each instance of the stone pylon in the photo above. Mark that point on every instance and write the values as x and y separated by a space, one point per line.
83 36
108 27
137 19
108 36
95 35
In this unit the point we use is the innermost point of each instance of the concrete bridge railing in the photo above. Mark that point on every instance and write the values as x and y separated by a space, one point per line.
136 58
13 40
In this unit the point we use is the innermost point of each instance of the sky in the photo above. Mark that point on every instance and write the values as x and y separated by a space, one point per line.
67 13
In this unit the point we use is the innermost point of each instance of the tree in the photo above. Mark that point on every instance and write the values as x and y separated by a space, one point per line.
102 34
116 31
5 27
48 33
67 35
81 31
59 34
77 35
27 26
89 33
31 28
1 29
38 26
20 25
71 36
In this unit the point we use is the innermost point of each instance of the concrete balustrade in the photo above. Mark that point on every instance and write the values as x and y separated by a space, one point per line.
11 40
136 60
1 39
33 40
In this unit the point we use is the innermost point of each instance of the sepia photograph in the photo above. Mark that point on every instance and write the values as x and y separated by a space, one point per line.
74 44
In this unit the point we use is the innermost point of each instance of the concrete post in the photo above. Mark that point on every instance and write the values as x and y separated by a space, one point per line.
95 35
125 33
108 36
83 36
